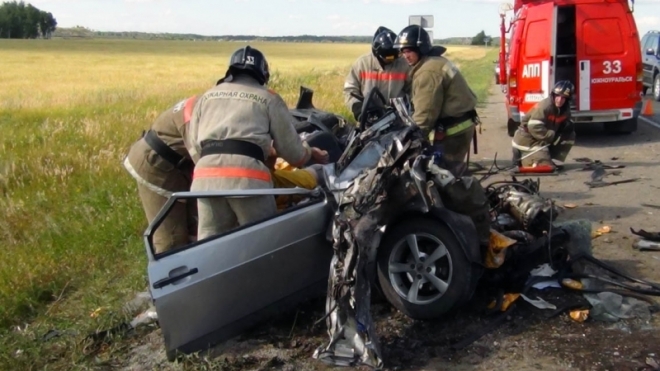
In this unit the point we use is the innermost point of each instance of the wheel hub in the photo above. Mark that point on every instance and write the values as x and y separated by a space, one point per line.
421 269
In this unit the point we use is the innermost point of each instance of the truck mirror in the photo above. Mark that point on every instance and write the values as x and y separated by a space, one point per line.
650 51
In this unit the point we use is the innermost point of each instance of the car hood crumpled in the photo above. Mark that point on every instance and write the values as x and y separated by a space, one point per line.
356 232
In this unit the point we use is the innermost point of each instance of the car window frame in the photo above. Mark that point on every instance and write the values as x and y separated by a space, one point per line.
317 195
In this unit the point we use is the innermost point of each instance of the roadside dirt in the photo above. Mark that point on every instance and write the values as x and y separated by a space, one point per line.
524 340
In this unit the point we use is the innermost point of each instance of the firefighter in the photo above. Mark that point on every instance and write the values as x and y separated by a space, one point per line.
231 129
161 165
443 102
382 68
547 132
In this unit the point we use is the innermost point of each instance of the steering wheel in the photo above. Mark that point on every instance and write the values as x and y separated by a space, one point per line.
367 106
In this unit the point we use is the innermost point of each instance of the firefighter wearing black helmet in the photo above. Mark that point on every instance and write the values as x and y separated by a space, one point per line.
443 102
231 130
546 132
382 68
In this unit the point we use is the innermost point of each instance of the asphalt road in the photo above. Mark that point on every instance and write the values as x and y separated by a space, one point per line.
618 206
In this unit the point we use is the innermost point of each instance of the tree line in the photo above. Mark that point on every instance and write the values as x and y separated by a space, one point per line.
86 33
20 21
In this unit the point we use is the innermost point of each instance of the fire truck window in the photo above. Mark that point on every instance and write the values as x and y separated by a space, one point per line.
603 36
537 39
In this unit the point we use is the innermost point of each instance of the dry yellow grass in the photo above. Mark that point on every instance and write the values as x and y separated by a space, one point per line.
71 221
70 73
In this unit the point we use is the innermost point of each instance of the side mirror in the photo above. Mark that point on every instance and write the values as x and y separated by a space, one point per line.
650 51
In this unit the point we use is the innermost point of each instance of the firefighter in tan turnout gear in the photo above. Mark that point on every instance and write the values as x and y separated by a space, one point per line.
443 103
382 68
547 132
161 165
232 127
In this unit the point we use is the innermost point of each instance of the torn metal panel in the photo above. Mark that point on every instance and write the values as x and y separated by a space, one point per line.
356 236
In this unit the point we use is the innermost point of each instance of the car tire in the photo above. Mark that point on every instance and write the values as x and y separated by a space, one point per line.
656 87
452 270
511 127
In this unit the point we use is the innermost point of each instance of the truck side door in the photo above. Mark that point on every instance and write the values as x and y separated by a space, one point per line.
607 71
536 56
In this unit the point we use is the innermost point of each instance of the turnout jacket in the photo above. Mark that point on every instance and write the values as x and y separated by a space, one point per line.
151 169
439 91
367 73
539 127
244 110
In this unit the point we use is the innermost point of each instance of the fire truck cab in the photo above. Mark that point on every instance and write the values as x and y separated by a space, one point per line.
593 43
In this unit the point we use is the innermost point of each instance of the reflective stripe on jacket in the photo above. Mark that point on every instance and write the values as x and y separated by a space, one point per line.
367 73
538 128
242 109
148 167
439 91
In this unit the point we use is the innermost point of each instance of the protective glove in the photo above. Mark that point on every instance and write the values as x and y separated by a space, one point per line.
356 108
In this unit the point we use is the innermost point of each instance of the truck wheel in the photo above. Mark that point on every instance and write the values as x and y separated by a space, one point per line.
511 127
621 127
656 87
423 271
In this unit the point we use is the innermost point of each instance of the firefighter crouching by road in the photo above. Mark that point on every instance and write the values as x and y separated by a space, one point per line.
382 68
547 132
443 103
161 165
232 127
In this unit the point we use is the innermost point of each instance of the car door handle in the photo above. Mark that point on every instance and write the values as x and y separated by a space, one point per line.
170 280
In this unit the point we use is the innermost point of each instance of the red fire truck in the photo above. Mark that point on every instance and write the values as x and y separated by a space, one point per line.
593 43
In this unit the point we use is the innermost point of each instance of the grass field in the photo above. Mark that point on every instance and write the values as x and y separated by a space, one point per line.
71 222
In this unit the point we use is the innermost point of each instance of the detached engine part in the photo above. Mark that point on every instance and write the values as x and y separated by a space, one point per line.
531 210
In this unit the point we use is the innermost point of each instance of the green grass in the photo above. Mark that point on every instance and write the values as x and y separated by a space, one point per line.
71 221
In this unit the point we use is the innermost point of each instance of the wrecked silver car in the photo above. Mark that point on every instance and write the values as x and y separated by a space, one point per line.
428 263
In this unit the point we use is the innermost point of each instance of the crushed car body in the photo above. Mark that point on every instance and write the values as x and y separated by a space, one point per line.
386 216
213 289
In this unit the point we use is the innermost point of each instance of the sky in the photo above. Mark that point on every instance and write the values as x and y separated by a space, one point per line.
294 17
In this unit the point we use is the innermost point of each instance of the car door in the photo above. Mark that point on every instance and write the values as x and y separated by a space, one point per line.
536 56
211 290
649 60
607 71
643 43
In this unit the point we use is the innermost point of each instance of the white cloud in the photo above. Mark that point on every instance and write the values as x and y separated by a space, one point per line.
333 17
140 1
295 16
